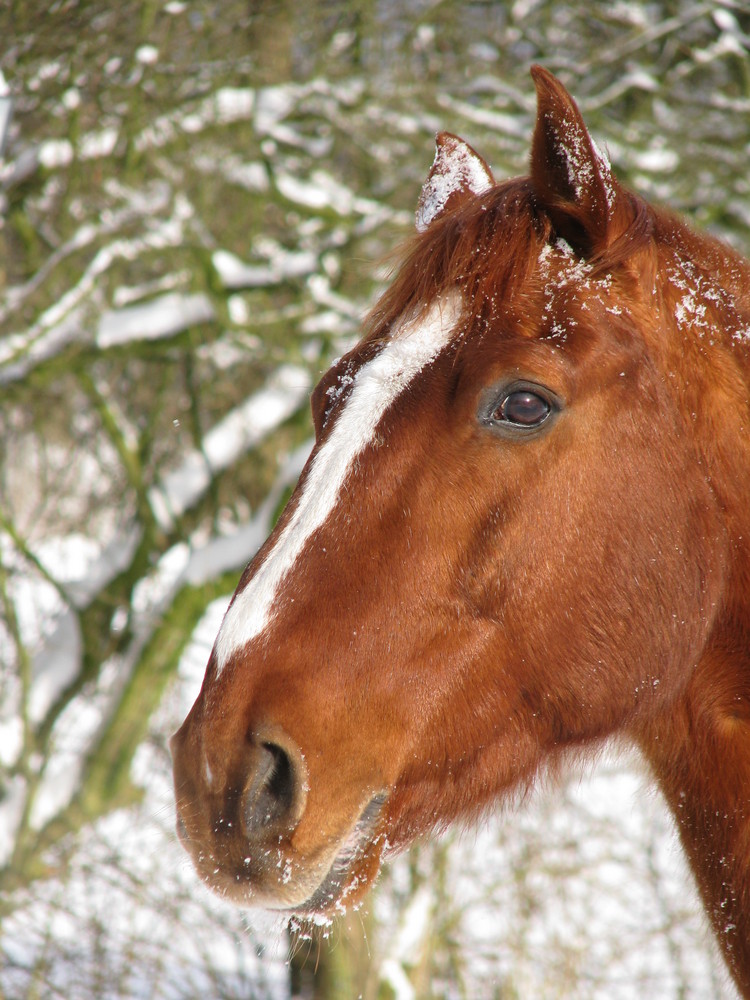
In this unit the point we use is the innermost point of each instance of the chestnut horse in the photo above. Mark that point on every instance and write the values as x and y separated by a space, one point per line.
524 527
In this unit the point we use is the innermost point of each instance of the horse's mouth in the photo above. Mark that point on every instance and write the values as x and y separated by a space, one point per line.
343 883
277 878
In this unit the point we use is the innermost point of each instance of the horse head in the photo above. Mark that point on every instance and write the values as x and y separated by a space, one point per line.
512 539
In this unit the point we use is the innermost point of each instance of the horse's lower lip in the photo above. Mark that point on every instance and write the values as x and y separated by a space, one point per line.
337 884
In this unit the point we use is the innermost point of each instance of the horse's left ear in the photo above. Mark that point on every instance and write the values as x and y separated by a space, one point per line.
457 173
571 177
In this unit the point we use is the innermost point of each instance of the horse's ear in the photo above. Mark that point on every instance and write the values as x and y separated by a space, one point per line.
571 177
456 173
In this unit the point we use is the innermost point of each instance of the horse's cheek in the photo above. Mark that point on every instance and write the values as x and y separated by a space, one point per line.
582 637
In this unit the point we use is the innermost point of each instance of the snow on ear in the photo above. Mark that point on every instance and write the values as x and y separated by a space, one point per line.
456 173
571 177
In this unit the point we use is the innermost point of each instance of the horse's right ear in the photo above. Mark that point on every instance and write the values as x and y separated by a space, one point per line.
457 173
571 178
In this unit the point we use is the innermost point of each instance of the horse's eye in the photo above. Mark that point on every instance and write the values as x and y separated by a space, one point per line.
517 410
523 408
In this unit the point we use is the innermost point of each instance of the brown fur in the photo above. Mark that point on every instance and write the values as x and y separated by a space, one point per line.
476 607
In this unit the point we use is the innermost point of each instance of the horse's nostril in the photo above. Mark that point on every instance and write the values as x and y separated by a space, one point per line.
269 795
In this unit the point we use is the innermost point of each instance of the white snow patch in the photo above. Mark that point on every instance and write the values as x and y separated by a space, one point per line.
241 429
84 566
165 578
66 319
274 104
285 265
31 352
584 160
655 160
393 974
55 666
126 295
233 104
54 153
11 742
11 810
162 317
496 121
251 175
115 557
96 145
697 288
61 778
239 312
147 55
561 270
236 549
323 191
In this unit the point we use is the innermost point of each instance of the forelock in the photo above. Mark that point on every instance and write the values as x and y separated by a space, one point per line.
489 247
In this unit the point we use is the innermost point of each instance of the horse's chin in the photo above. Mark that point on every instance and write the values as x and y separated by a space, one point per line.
310 889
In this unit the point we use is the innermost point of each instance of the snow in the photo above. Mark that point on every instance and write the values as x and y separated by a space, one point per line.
496 121
240 430
40 346
285 265
584 161
234 104
456 169
236 548
323 191
64 321
274 105
55 666
11 811
126 295
253 175
96 145
11 738
162 317
147 54
656 160
55 153
96 565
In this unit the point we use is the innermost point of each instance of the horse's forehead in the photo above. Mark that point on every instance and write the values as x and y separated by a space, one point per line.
560 269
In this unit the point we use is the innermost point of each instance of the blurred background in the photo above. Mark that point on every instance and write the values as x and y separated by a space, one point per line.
197 201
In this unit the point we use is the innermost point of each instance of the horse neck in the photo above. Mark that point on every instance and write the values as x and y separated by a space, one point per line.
699 746
699 751
730 268
704 291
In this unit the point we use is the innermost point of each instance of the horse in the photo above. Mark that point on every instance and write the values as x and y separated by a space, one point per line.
524 528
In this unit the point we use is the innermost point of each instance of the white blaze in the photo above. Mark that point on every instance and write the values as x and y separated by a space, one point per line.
377 384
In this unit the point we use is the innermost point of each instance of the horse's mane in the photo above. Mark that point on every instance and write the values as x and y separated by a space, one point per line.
490 247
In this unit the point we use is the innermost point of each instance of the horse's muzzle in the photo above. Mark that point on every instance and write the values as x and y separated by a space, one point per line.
238 822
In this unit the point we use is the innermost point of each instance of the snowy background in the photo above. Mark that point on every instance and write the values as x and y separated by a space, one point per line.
197 200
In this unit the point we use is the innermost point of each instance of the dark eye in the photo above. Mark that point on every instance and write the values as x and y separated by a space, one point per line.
523 408
517 410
